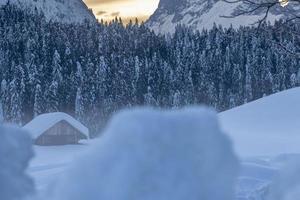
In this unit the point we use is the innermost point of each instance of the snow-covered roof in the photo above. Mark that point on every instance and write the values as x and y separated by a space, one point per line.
43 122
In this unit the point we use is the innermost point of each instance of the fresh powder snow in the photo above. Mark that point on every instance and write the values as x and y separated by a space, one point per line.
150 154
287 185
15 153
247 126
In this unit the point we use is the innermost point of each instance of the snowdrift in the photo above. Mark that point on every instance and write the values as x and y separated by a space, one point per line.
147 154
15 153
267 127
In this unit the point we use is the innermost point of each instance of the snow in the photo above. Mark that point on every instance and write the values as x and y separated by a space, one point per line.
149 154
287 185
66 11
15 153
43 122
51 162
266 127
264 135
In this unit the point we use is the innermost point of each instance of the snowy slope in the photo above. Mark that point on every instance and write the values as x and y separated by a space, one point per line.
265 135
267 127
66 11
199 14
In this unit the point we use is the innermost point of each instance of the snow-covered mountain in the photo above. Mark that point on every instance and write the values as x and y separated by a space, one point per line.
199 14
65 11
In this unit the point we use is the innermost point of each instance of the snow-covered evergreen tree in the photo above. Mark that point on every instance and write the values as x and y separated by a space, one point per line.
115 66
1 112
38 101
79 106
176 102
293 80
149 99
52 101
298 77
248 85
5 100
57 68
15 104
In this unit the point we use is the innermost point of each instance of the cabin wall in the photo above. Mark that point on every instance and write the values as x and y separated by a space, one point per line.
60 134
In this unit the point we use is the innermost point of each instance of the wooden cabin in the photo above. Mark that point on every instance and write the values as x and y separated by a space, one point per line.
56 129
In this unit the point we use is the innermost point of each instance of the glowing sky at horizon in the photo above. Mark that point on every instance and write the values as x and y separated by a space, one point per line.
126 9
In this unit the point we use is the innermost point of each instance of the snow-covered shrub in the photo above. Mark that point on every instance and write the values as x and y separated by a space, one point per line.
147 154
287 185
15 153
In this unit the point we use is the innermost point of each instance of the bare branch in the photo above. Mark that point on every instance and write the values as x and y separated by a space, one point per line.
264 6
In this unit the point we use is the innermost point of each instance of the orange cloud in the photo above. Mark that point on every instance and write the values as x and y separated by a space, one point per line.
126 9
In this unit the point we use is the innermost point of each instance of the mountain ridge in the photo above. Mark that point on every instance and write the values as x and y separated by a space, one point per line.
200 14
65 11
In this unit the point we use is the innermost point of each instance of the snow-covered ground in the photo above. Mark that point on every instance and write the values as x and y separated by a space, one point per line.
267 127
264 134
51 162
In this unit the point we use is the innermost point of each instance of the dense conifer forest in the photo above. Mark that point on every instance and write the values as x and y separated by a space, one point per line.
93 70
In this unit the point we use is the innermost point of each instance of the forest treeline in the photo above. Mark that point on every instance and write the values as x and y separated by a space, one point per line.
93 70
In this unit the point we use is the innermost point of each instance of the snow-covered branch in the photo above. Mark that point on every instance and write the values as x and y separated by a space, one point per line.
291 8
264 8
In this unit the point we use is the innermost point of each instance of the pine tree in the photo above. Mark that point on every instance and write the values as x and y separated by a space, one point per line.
248 85
136 77
293 80
57 69
1 112
212 95
79 106
176 102
101 79
38 101
5 100
52 98
298 78
15 104
78 75
189 89
149 99
232 100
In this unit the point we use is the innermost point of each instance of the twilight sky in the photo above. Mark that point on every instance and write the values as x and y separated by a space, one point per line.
127 9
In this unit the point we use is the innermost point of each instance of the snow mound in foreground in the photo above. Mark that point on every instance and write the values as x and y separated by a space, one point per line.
266 127
147 154
15 153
